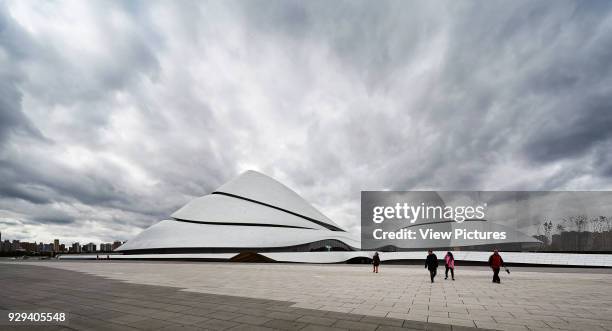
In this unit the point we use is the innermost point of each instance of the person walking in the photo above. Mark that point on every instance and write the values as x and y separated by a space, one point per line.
376 262
449 263
431 263
496 262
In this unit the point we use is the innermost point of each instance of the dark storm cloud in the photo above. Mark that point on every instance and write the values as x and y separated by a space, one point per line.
575 132
54 219
12 120
374 39
32 195
113 115
14 44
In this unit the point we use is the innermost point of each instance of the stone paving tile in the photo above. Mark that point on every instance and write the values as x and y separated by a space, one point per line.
336 308
353 325
500 326
149 324
452 321
284 325
252 320
215 324
244 327
321 328
192 319
181 328
224 315
283 316
418 325
372 313
390 328
127 319
317 320
383 321
409 316
349 317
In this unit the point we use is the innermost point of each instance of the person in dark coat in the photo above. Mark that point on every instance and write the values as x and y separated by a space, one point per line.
449 263
431 263
496 262
376 262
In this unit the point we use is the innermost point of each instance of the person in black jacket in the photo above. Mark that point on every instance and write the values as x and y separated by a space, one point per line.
376 262
431 263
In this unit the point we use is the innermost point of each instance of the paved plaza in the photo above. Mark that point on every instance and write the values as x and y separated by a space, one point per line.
297 296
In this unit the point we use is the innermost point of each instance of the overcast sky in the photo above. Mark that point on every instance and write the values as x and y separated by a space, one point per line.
114 114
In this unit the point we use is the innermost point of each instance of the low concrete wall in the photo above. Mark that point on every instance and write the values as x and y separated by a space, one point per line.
556 259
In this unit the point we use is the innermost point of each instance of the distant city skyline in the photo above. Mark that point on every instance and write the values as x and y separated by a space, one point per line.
115 114
56 246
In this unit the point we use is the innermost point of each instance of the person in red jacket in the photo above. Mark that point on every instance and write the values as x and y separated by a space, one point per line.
375 262
496 262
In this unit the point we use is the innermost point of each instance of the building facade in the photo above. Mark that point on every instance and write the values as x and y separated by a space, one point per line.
252 213
255 214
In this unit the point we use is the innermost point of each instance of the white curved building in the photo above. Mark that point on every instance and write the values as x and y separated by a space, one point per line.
256 214
252 213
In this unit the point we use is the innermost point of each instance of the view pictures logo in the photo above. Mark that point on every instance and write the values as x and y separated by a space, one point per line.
404 211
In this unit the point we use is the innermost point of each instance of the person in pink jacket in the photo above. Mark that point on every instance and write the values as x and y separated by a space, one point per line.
449 262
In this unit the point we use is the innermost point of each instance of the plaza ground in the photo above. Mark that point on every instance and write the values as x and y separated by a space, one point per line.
150 295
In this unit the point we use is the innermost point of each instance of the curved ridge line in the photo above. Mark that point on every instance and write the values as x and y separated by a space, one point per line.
323 224
242 224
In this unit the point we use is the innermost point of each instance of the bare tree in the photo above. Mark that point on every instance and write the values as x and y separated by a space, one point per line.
594 222
579 222
548 231
600 224
560 228
605 228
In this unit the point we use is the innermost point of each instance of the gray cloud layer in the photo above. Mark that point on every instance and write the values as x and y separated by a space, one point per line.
113 114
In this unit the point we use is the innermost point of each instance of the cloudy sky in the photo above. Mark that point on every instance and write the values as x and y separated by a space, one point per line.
114 114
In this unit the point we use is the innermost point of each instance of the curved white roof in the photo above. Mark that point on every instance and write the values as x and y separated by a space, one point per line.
251 211
258 187
177 234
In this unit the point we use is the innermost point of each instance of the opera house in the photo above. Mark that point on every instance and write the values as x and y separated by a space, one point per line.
251 213
255 218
